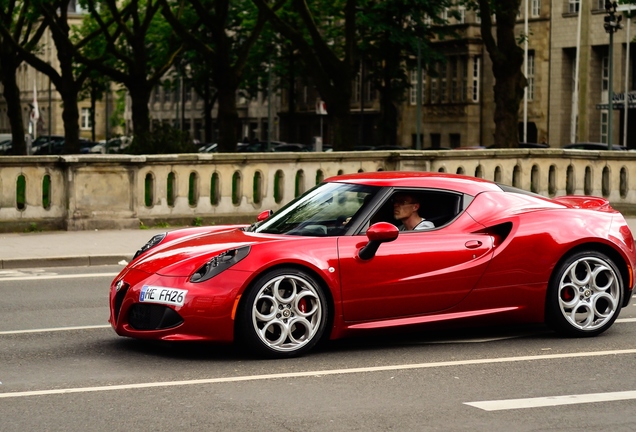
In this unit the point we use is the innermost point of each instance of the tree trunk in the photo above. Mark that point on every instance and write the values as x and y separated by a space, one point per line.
11 93
140 95
508 96
388 110
507 59
70 117
339 113
227 119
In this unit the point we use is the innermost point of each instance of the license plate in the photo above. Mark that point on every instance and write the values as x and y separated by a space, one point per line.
162 295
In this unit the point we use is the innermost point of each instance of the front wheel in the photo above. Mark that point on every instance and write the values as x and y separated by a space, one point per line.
585 295
284 313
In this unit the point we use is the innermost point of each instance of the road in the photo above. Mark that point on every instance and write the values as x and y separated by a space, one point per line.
63 369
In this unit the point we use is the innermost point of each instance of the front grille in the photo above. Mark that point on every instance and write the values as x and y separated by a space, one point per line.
153 317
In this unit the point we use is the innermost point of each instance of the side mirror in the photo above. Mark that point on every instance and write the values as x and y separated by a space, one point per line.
379 233
263 215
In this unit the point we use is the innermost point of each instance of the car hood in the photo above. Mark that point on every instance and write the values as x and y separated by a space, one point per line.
183 256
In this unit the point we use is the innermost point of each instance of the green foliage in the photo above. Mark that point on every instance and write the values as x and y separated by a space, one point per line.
33 227
162 139
197 222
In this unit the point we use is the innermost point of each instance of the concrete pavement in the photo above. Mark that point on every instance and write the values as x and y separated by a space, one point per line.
84 248
71 248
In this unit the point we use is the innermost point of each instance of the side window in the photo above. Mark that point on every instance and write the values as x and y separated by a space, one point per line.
438 207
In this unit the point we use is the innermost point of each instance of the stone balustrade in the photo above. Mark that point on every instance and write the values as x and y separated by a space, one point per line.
79 192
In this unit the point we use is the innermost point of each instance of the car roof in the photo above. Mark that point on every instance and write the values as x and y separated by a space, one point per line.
420 179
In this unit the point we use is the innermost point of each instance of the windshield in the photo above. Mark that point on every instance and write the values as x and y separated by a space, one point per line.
325 210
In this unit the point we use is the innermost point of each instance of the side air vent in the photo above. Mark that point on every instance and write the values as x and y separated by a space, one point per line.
499 232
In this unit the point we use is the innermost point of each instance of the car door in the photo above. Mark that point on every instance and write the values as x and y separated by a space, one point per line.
418 273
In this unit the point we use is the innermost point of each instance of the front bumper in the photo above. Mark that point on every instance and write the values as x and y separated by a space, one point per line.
207 313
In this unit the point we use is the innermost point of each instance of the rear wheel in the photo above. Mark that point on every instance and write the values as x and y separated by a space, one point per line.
585 295
284 313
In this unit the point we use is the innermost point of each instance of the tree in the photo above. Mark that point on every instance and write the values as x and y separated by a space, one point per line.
390 31
507 58
20 33
137 49
227 32
70 78
325 37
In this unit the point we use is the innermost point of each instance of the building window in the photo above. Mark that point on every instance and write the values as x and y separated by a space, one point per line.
530 76
413 89
573 6
434 89
443 88
535 8
187 91
167 93
454 89
462 14
464 78
444 15
356 88
475 80
605 74
85 119
455 140
604 126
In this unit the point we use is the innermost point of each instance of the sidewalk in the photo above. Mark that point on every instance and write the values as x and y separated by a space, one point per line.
71 248
84 248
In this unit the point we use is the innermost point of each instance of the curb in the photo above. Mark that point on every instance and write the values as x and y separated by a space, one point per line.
64 261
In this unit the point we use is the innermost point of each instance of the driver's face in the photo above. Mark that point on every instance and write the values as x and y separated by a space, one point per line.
403 207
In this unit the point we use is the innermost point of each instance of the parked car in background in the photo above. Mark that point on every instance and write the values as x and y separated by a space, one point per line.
593 146
44 144
5 146
256 147
209 148
290 147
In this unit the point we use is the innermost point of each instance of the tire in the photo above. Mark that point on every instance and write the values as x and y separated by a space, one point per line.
284 314
585 295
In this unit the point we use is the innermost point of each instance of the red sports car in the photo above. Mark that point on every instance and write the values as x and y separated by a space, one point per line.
336 261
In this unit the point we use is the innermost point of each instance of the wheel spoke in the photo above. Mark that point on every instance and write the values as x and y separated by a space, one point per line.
266 308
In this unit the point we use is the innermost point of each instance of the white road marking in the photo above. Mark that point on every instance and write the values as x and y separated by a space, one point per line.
625 320
315 373
550 401
55 329
48 277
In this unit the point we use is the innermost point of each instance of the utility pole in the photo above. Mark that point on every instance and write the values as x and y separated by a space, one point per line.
612 24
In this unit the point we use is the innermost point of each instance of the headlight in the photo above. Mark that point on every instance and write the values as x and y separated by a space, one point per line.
154 241
219 263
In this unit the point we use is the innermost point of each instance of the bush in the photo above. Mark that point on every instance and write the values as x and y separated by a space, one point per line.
162 139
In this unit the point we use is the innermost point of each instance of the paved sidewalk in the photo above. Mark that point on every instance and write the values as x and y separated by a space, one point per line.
84 248
71 248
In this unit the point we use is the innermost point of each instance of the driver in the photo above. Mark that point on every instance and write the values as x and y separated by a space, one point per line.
405 207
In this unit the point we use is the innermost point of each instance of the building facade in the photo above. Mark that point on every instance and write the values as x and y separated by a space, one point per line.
457 94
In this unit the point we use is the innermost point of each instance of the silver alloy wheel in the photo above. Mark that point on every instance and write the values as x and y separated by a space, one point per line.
287 313
589 293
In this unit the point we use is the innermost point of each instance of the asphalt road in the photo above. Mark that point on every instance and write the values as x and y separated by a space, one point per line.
63 369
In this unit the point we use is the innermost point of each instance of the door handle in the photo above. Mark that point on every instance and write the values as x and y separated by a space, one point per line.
473 244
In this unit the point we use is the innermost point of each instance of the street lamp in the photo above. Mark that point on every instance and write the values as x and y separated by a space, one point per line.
612 25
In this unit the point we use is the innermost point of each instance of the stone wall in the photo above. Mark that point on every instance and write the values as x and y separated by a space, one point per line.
122 191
